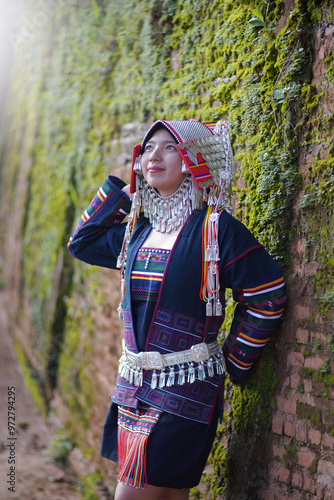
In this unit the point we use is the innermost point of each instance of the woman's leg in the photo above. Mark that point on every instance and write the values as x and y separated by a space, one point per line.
127 492
174 494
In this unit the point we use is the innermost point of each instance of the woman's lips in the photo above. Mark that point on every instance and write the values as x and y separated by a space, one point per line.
154 169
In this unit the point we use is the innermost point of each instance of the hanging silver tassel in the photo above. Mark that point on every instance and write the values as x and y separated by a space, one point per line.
141 376
131 376
162 379
171 377
120 311
126 372
184 168
154 380
137 165
219 308
121 366
136 377
210 368
182 377
191 373
201 371
220 365
209 308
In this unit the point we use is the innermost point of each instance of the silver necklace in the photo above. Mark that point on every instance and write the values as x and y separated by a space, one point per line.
167 213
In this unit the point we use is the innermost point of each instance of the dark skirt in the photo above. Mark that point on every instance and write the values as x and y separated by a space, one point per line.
177 448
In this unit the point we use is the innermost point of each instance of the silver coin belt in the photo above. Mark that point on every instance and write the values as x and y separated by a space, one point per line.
197 363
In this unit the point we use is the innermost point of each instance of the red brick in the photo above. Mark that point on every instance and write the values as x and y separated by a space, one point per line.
301 336
295 359
305 457
316 336
288 405
271 493
308 483
281 496
274 472
328 441
267 493
314 362
318 389
314 436
327 491
326 467
307 385
277 424
306 398
301 431
283 475
278 451
279 472
331 392
295 380
318 318
290 334
311 268
302 312
289 428
297 479
327 418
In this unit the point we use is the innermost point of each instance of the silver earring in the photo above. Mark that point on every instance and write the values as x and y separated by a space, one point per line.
137 165
184 168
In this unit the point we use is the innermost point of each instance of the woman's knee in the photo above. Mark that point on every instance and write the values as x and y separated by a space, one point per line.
127 492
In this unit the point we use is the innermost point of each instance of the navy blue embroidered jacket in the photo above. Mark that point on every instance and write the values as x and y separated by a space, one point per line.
179 319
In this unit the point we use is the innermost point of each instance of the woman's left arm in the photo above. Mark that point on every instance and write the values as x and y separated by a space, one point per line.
259 290
99 234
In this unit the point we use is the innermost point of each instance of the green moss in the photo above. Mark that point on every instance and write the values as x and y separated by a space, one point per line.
31 378
291 452
88 487
309 412
59 449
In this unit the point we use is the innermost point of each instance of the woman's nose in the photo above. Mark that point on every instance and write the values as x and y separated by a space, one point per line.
155 154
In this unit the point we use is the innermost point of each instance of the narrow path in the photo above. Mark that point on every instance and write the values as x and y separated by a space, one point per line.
22 462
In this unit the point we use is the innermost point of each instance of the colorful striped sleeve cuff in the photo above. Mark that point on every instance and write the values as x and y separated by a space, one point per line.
118 207
260 309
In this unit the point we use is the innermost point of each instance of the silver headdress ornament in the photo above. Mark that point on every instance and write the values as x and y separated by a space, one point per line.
207 156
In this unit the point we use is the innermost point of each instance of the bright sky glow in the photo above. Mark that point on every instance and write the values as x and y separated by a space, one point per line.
6 51
5 28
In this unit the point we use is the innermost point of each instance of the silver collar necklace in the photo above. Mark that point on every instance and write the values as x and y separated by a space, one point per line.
167 213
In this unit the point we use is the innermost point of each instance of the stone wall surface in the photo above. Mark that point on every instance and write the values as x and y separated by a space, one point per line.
302 444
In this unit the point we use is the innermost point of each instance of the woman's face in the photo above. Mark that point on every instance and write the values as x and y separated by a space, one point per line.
161 163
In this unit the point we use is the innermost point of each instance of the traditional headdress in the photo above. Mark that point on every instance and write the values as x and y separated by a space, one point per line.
207 156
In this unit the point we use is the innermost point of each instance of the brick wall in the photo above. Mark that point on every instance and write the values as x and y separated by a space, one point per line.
302 444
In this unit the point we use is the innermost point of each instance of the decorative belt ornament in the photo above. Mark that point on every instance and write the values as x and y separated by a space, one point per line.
181 366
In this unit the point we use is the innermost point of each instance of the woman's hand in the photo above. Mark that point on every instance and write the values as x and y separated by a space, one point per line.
126 190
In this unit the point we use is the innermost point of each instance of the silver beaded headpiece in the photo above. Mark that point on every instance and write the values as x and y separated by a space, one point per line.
207 155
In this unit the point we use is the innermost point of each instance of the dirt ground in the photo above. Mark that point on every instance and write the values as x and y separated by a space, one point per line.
32 478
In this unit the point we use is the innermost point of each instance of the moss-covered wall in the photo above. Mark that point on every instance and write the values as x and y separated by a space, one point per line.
87 78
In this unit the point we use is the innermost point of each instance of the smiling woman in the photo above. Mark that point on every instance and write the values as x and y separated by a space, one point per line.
161 163
177 253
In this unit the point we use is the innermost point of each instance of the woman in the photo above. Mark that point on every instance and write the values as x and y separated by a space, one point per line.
178 252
